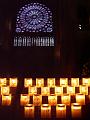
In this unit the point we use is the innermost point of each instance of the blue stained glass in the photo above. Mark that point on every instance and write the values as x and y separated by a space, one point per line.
34 17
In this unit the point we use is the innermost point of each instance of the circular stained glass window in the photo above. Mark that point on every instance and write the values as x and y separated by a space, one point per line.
34 17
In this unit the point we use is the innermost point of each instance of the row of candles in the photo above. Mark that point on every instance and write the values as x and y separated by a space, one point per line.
76 110
37 99
45 91
51 82
52 99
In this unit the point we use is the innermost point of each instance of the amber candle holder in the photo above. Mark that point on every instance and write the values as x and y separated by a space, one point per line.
65 99
24 99
45 91
51 82
52 100
6 100
39 82
13 82
80 98
75 82
64 82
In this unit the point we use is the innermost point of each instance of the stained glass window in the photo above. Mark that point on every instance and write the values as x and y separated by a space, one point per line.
34 17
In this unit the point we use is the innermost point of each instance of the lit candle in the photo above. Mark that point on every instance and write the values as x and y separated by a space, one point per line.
25 98
58 90
3 81
5 90
29 111
27 82
61 111
37 100
6 100
75 82
39 82
64 82
71 90
83 89
76 110
13 82
32 90
45 91
86 81
51 82
80 98
65 99
45 111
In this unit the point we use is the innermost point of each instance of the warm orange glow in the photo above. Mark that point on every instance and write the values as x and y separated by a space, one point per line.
80 98
65 99
86 81
27 82
45 111
32 90
5 90
61 111
13 82
83 89
37 100
76 110
24 99
75 82
29 111
3 81
45 91
51 82
64 82
52 100
6 99
58 90
39 82
71 90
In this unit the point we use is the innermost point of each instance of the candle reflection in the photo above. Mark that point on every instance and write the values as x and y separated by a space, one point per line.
45 111
61 111
76 110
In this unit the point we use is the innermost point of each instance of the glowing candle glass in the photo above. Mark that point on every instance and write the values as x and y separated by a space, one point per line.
25 98
76 110
61 111
65 99
83 89
86 81
64 82
58 90
75 82
71 90
45 91
13 82
29 111
3 81
5 90
51 82
6 100
32 90
27 82
52 100
80 98
45 111
37 100
39 82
